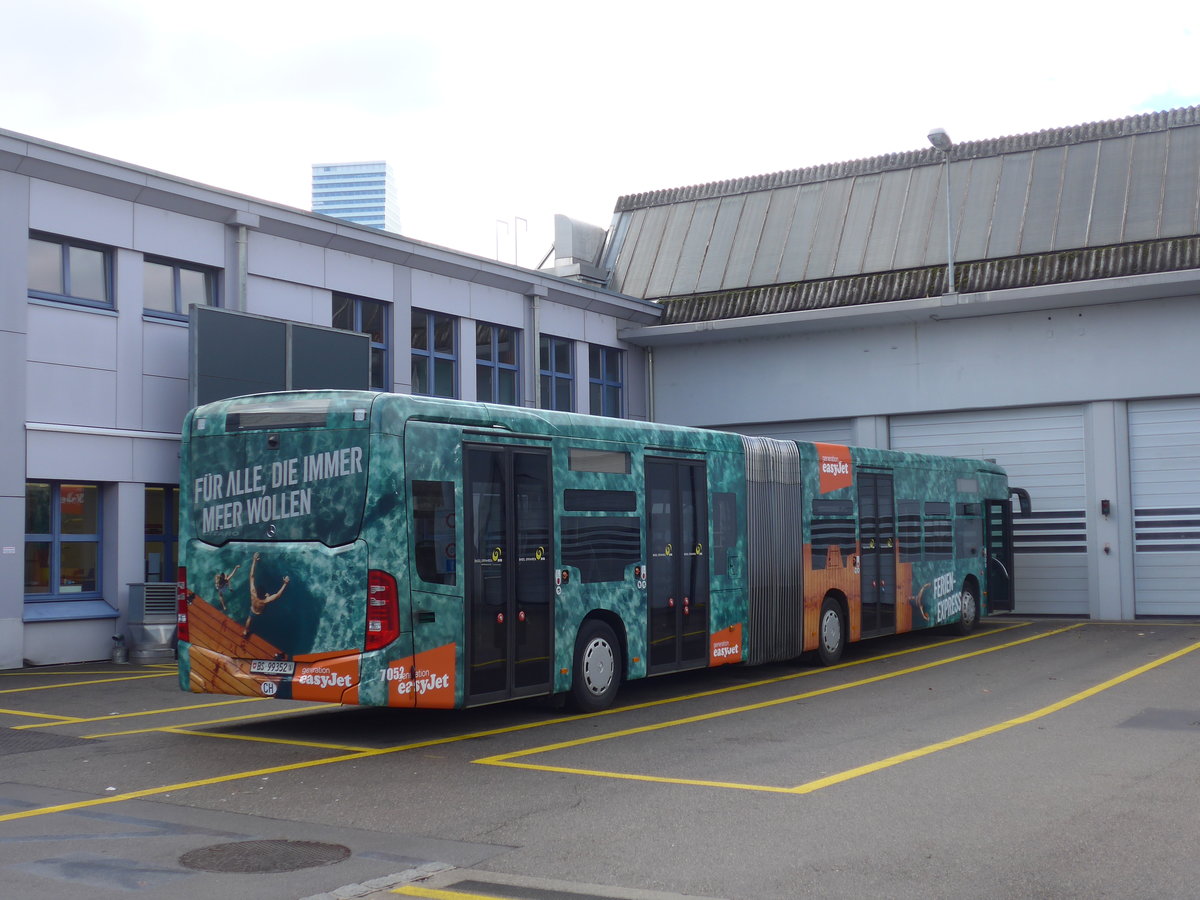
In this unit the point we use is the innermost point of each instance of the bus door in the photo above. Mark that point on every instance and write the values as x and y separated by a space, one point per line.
677 563
509 621
998 526
877 547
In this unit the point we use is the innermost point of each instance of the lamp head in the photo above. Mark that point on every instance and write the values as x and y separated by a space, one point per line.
940 139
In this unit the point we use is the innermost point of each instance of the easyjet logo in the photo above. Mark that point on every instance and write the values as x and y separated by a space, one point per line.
835 467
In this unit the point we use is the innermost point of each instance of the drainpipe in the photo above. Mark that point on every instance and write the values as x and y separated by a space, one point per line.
243 221
536 293
650 384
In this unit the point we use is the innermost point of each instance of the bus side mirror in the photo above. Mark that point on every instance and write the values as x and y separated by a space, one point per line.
1022 496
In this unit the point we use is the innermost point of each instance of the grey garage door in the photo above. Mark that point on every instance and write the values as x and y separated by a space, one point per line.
1043 451
1164 469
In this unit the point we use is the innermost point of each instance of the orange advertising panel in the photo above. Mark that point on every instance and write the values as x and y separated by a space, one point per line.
321 677
427 677
725 646
837 470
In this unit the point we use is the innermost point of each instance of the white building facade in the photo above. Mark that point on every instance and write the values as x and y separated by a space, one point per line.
99 263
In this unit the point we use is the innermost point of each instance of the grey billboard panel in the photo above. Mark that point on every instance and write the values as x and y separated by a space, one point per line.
231 354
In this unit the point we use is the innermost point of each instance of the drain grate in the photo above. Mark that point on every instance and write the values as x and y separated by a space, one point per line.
264 856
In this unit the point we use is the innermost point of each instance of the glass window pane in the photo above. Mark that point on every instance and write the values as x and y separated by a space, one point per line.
508 386
562 357
373 316
594 362
77 570
78 508
195 289
37 567
506 346
546 390
156 561
544 353
443 334
612 401
420 331
563 395
86 271
37 507
483 384
420 374
156 510
595 399
378 375
45 266
483 342
343 313
158 288
443 377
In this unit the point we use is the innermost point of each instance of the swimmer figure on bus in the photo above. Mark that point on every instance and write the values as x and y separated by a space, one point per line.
258 601
221 581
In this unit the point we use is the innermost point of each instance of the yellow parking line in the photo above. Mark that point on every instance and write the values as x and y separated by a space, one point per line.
260 715
147 712
418 745
811 786
58 720
411 890
263 740
51 687
506 759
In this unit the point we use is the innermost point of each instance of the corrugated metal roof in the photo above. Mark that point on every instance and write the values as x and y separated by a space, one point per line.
1100 185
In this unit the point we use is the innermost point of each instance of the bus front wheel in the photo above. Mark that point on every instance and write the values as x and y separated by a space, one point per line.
970 612
597 672
831 632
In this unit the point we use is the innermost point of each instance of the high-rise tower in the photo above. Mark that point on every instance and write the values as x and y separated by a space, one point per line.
363 193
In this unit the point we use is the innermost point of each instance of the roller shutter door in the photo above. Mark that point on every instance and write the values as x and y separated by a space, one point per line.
1043 451
1164 469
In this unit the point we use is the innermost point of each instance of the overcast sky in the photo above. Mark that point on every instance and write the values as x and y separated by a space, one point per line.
515 111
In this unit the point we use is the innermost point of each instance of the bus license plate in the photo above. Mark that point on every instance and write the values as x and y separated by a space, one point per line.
271 667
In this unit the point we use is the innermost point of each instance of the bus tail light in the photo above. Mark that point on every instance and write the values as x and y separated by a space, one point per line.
383 610
181 603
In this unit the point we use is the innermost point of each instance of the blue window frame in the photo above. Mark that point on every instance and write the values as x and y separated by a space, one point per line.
161 557
606 383
497 368
434 354
369 317
171 288
556 371
62 541
70 271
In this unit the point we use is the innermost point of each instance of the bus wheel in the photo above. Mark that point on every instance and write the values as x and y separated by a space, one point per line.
831 635
597 672
970 613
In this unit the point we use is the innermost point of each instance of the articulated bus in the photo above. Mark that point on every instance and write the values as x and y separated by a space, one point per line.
391 550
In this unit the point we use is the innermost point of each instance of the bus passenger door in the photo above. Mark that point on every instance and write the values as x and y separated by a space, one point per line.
877 543
509 621
998 526
677 563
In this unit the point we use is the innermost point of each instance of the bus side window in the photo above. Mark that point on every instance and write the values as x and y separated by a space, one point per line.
434 531
939 537
909 513
725 530
968 529
833 533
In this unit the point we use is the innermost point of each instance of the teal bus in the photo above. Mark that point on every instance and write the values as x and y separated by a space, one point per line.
392 550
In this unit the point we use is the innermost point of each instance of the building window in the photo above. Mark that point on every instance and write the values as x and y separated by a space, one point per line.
434 354
556 370
497 375
369 317
62 541
70 271
605 381
162 533
171 288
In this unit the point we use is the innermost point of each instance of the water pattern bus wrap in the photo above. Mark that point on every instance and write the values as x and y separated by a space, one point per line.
391 550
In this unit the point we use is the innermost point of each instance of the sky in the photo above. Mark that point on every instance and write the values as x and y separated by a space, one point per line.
497 115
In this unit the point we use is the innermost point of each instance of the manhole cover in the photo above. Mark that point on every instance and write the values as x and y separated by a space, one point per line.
264 856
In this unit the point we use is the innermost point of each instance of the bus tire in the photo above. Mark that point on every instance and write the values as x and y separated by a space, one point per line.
596 675
831 632
970 612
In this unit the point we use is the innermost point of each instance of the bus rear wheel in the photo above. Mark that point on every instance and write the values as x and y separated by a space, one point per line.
831 632
597 671
970 613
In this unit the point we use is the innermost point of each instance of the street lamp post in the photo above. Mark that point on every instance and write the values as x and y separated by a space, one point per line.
941 141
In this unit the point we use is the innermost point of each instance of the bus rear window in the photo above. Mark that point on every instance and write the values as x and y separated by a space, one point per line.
308 413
